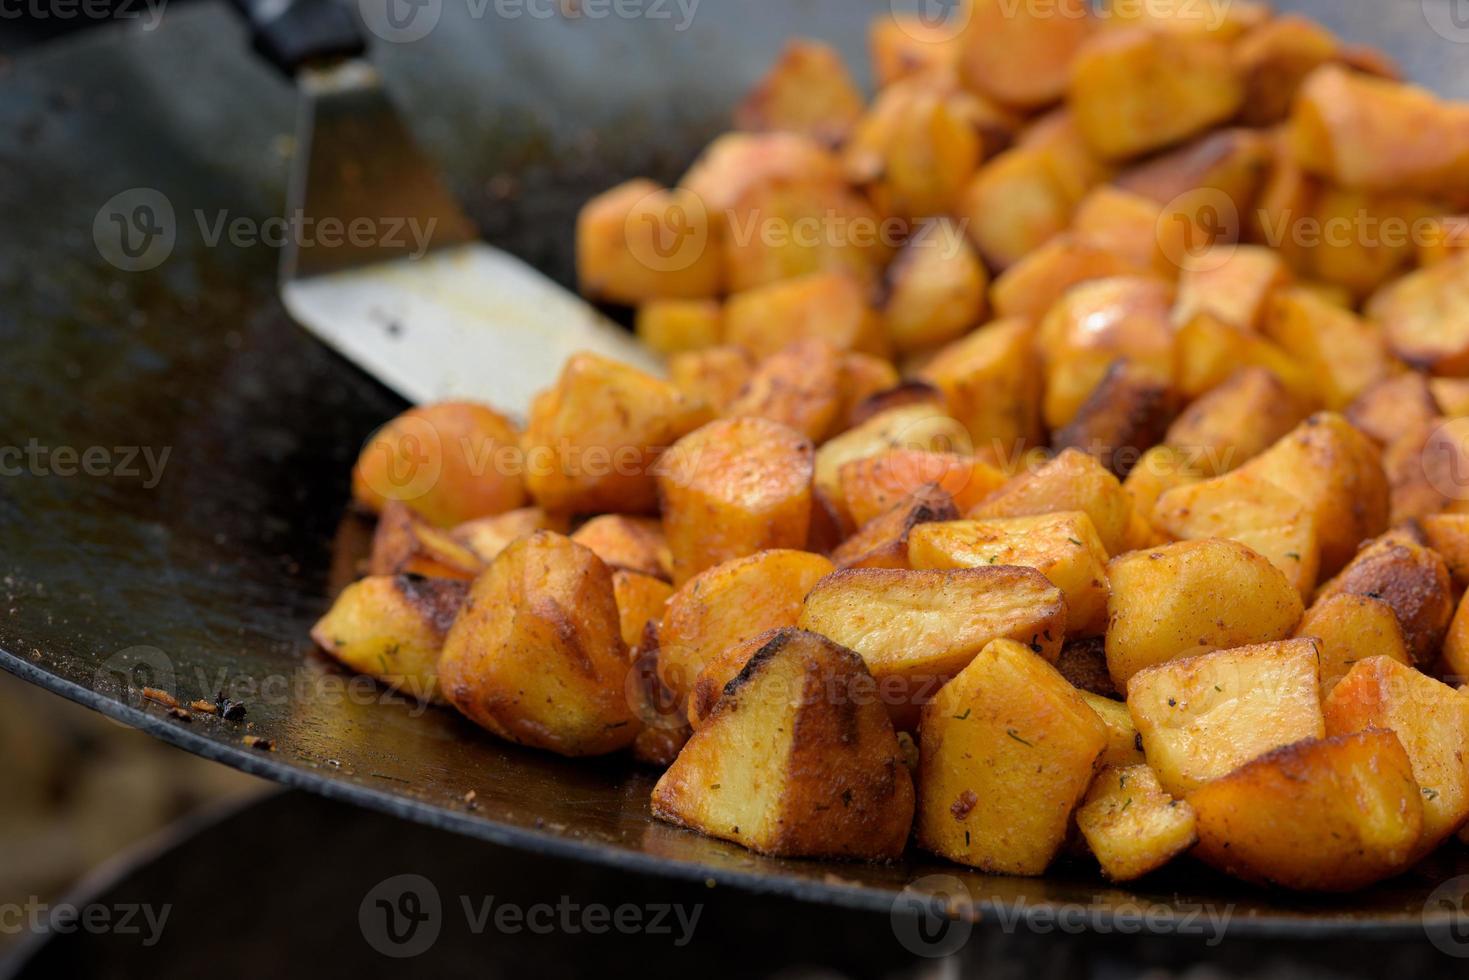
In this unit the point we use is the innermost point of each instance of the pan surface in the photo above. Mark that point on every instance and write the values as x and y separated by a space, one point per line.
175 452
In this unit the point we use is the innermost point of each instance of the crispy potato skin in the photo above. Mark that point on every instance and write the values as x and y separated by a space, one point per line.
732 488
488 536
798 386
828 305
392 627
1083 662
874 485
1008 750
1350 628
440 461
1329 815
808 90
1128 413
537 655
729 603
403 542
1422 315
935 289
795 760
883 541
724 667
921 427
1073 481
1133 826
1412 579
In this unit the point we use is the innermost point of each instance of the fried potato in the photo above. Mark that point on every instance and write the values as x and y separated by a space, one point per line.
1008 748
916 150
1189 598
735 163
904 45
671 326
1073 164
592 439
640 600
1322 815
404 543
917 629
1343 352
1159 470
634 543
1432 722
1205 716
1032 286
1350 628
920 427
936 288
903 394
862 376
723 667
1073 481
808 90
1208 353
991 383
1124 224
1131 825
392 627
488 536
1455 663
732 488
1231 283
1127 413
883 541
537 655
785 229
1064 547
1236 421
639 242
1274 59
1124 747
1424 316
1349 256
445 462
713 376
1134 91
1014 204
1410 578
798 387
1022 56
727 605
1448 534
795 760
825 305
872 486
1393 406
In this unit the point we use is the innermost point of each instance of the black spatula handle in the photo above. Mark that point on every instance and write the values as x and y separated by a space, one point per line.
292 33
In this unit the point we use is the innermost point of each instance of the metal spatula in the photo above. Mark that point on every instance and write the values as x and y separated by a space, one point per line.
387 268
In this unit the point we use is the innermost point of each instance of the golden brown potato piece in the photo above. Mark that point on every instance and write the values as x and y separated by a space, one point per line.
722 668
808 90
392 627
1127 413
904 45
1424 315
1350 628
445 462
1124 748
1137 90
1351 254
1410 578
1432 722
1008 750
1454 666
1452 395
1161 469
404 543
1205 716
903 394
1422 462
1083 662
1192 597
640 600
1379 135
671 326
1231 283
1073 481
1343 352
798 387
874 485
920 427
917 629
1022 55
883 541
537 655
1014 204
1274 59
826 305
1124 224
593 439
488 536
1032 286
1073 164
795 760
640 242
1393 406
783 229
1131 825
732 488
634 543
1329 815
991 383
936 288
1208 353
1063 547
1238 420
1448 534
713 376
727 605
862 376
735 163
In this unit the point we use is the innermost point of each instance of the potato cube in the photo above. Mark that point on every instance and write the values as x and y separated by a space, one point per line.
488 536
1125 224
1073 481
764 772
1032 286
802 227
808 90
537 655
826 305
1410 578
1349 629
1127 413
1189 598
936 288
862 375
1008 750
1424 315
1448 534
671 326
1064 547
1137 90
918 427
1432 722
918 148
991 383
1073 164
404 543
714 375
1324 815
1124 747
904 45
1208 353
640 600
1226 19
1345 353
640 242
1206 716
883 541
392 627
1231 283
1248 413
1022 55
798 387
1274 60
1159 470
874 485
727 605
1013 206
732 488
917 629
735 163
592 440
1395 405
1131 825
1366 240
634 543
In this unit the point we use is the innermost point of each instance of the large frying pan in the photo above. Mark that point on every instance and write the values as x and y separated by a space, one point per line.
207 579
